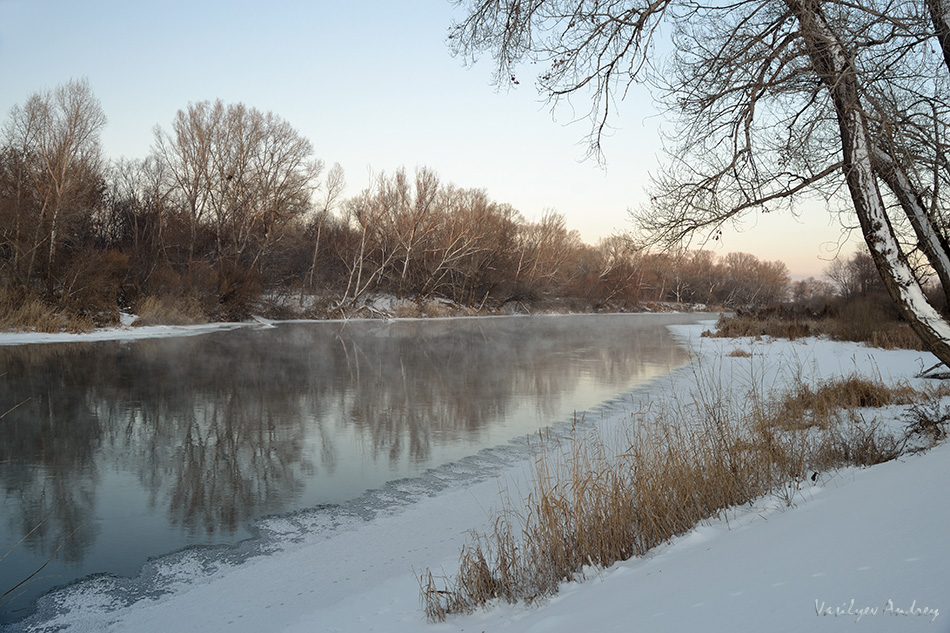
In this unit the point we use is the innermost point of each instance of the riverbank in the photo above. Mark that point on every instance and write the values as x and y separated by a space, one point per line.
132 326
853 541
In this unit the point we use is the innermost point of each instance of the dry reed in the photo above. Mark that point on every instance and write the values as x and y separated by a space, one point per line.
744 326
170 310
20 311
599 500
874 327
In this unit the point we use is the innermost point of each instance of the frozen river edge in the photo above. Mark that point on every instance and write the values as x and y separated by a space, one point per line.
876 537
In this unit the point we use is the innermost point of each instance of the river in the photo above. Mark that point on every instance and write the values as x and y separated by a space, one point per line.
112 452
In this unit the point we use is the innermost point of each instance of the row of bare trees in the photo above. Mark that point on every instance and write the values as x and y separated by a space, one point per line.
415 236
231 212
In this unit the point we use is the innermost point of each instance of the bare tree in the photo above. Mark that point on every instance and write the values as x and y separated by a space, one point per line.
855 276
618 276
53 159
334 186
244 172
545 247
748 281
421 237
369 214
812 293
775 99
135 215
705 276
468 256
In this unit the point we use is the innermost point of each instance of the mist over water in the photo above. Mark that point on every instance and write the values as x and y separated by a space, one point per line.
114 452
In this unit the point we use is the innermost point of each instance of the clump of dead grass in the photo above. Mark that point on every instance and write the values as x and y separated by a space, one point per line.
170 310
408 310
599 500
22 311
820 405
862 320
436 308
927 421
746 326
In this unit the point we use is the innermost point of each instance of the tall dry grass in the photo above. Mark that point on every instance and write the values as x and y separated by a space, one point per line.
805 405
21 311
597 500
861 320
748 325
169 310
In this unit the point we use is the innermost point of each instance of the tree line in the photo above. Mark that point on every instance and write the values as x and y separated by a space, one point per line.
231 214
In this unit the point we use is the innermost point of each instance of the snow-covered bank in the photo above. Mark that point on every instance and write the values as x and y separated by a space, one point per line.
373 308
871 536
867 547
119 333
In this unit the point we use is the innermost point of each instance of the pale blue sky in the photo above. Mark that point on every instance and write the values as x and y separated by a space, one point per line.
372 84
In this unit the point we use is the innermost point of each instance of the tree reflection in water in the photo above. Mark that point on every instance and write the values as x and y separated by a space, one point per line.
139 448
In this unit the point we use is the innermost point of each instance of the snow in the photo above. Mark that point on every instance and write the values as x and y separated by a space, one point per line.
860 549
125 331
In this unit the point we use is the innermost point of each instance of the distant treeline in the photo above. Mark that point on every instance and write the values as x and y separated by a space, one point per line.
231 215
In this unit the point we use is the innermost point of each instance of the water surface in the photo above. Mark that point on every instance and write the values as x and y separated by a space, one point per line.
113 452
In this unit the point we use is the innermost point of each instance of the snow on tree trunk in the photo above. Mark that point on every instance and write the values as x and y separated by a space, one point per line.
834 67
931 241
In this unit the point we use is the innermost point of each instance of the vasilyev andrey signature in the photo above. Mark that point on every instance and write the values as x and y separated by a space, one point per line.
850 609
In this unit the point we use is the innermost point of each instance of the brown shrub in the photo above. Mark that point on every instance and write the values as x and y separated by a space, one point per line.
225 291
93 285
871 320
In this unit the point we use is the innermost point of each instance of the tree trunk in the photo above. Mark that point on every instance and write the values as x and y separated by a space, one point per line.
833 65
931 241
940 16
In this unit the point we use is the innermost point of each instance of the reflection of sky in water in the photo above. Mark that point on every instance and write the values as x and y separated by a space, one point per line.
138 449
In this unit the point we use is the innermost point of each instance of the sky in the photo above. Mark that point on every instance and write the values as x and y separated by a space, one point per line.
374 87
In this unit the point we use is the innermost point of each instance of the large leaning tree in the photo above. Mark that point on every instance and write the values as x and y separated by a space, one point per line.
774 100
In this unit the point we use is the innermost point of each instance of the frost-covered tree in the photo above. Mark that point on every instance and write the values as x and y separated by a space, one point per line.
774 99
